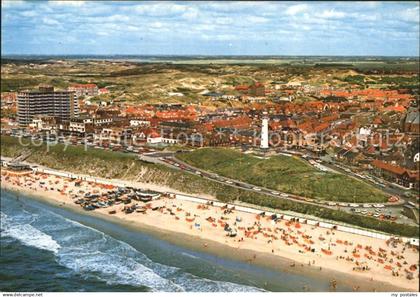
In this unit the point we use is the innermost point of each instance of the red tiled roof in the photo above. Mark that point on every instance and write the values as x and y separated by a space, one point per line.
398 108
414 174
321 127
82 86
388 167
377 121
241 88
238 122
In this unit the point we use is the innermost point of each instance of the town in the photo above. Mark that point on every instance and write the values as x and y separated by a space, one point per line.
367 131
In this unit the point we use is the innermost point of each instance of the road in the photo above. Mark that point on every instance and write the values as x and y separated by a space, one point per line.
168 159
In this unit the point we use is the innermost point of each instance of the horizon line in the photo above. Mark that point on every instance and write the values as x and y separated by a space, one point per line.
201 55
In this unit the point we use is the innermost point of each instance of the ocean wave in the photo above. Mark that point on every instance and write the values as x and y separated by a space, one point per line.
111 260
117 262
27 235
189 255
192 283
114 269
91 253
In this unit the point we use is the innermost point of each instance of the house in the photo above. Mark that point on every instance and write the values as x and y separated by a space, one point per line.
102 91
139 122
213 95
256 89
81 125
411 120
396 174
8 100
154 138
114 134
84 89
240 122
44 123
352 157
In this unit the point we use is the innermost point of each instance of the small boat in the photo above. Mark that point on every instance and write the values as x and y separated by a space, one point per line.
142 210
112 212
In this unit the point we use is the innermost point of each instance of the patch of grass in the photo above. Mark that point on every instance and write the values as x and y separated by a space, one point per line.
282 173
14 84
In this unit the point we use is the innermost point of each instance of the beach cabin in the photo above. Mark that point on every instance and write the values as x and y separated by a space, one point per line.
18 166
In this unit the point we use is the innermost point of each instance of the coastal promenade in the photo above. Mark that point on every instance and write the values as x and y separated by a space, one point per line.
203 200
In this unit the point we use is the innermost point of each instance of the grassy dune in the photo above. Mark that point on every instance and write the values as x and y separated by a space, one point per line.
282 173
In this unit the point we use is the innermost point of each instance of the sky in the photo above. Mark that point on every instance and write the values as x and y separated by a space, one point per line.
210 28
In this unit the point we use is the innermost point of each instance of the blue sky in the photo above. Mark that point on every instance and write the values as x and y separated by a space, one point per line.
210 28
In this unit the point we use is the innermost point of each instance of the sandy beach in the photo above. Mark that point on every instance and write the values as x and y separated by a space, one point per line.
369 263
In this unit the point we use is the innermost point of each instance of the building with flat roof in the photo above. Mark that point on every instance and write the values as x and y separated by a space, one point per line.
89 90
45 101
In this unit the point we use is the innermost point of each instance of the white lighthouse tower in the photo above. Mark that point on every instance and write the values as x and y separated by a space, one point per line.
264 132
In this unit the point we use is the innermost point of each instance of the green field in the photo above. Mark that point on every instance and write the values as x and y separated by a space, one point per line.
282 173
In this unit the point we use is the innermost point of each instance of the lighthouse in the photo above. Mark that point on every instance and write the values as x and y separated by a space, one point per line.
264 133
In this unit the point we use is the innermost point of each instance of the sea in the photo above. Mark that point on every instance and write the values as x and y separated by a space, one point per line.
45 248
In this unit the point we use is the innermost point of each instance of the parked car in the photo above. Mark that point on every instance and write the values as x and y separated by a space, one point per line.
379 205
